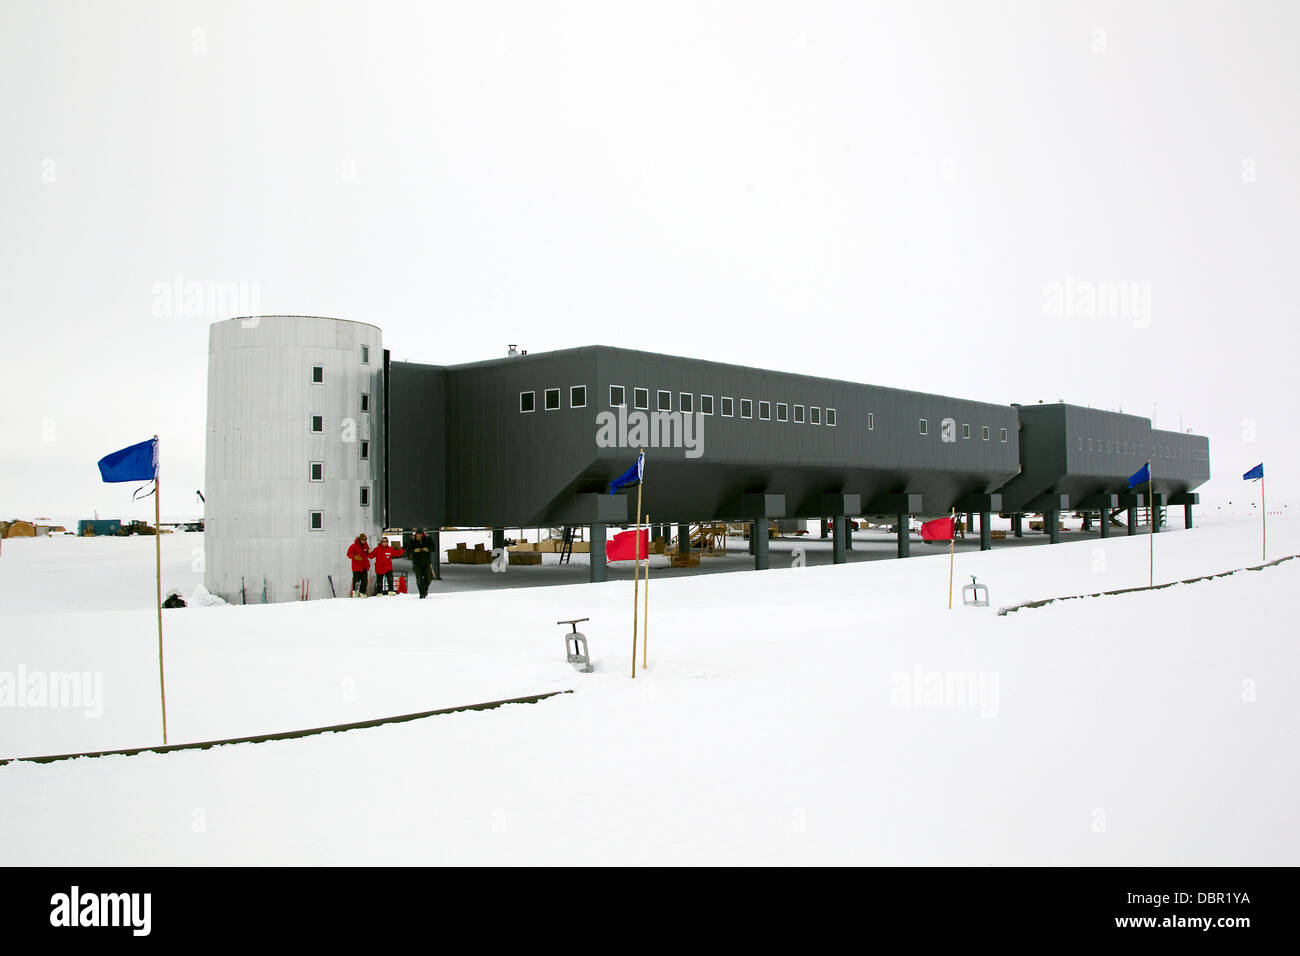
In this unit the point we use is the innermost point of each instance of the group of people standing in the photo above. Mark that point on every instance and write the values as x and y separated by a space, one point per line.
360 552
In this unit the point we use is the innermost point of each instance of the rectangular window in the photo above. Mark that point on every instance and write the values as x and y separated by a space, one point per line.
686 402
765 411
365 401
551 399
706 404
616 396
665 400
1080 444
1004 434
815 415
798 414
315 520
641 397
830 417
577 396
985 433
317 373
925 427
965 431
1089 444
365 451
317 471
871 421
782 411
365 355
527 402
746 408
318 423
728 407
365 496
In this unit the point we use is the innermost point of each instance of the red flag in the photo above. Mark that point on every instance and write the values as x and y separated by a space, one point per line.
940 529
624 546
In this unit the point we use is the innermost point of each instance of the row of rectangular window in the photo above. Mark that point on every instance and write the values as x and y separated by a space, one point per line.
726 405
1112 446
965 429
551 399
1132 448
686 404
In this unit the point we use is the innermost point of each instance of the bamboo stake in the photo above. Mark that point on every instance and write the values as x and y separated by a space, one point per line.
1151 536
952 546
157 543
1263 515
645 617
636 575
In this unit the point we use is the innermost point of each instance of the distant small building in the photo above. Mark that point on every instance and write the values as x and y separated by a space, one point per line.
88 527
20 529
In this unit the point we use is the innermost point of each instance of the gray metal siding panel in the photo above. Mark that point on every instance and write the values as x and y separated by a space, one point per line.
417 442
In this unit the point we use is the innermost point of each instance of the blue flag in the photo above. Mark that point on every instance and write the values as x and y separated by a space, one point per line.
133 463
1254 473
1142 477
630 477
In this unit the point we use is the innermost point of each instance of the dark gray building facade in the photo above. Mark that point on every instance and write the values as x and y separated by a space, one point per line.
534 440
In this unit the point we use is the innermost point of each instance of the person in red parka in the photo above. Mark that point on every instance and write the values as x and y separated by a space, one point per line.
359 552
383 556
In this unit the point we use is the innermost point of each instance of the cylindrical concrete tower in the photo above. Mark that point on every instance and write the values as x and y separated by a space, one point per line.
294 454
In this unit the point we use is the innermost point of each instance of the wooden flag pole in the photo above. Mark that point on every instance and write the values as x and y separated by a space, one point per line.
645 615
1151 537
636 575
1263 516
952 546
157 543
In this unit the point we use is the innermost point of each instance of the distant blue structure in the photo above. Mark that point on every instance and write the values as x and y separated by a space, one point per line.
99 527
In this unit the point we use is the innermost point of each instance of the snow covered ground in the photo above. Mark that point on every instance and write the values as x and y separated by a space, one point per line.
826 714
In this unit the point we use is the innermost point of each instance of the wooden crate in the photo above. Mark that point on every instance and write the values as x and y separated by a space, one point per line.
466 556
525 557
690 559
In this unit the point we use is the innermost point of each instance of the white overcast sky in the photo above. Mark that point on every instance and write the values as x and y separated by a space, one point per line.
880 192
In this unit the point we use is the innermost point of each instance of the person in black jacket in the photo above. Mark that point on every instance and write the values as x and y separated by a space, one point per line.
421 554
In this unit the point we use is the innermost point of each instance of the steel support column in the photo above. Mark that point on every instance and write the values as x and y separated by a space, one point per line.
758 538
598 571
